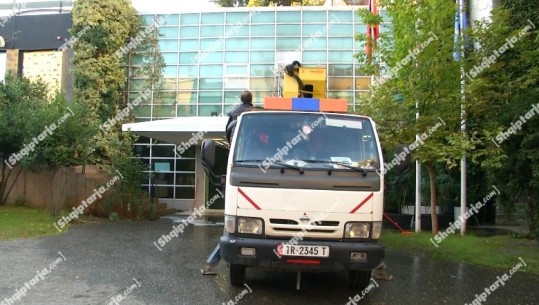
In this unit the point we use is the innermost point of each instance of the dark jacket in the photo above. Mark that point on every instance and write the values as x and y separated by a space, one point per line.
233 115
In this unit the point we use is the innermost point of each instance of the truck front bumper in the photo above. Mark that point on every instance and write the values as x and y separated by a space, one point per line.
266 254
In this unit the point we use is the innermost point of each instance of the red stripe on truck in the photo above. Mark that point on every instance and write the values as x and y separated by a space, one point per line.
361 203
249 199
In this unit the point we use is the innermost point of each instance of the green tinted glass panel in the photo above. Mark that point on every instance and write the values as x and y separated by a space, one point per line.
292 17
261 83
136 59
232 97
348 95
188 57
315 30
237 44
233 17
237 69
210 57
142 111
262 70
288 43
188 31
360 29
341 56
310 17
212 31
340 70
210 97
212 18
211 70
170 71
341 30
168 32
170 58
169 19
168 45
211 83
137 84
211 44
236 57
164 111
314 42
188 45
148 19
189 19
209 110
237 30
341 43
262 43
262 17
186 110
344 16
262 57
262 30
188 71
385 16
288 30
186 97
314 56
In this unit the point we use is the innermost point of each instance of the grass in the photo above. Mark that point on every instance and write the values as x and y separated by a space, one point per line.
500 251
25 222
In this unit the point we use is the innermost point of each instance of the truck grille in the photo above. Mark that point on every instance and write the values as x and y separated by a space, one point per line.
292 226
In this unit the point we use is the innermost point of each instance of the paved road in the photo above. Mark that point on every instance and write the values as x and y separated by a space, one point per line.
93 263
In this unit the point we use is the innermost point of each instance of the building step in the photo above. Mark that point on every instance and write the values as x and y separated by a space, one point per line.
165 212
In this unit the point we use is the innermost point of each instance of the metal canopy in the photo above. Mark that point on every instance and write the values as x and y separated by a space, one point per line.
180 130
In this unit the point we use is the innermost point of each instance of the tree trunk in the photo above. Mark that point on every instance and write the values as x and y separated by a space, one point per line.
433 215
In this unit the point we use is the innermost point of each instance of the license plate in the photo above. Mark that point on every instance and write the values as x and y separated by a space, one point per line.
308 251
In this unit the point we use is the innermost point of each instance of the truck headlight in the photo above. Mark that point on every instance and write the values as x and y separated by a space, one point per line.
249 225
230 224
357 230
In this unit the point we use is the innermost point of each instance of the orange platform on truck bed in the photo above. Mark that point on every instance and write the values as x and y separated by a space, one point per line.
305 104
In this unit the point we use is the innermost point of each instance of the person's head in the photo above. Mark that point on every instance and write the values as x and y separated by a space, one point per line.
246 97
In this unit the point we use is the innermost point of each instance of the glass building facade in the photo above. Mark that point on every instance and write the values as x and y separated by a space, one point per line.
211 57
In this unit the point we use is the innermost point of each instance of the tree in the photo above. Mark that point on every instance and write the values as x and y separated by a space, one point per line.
510 88
102 46
418 55
285 2
20 99
38 134
232 3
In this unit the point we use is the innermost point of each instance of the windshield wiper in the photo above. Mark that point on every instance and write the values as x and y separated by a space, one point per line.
284 164
250 160
325 162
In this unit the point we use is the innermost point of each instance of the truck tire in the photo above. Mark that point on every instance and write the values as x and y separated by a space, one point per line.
359 279
237 275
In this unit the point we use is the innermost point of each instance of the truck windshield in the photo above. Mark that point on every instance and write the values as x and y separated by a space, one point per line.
310 140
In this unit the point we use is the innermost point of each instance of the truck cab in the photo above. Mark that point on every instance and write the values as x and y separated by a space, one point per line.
303 191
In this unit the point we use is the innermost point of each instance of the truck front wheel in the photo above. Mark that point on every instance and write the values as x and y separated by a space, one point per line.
237 275
359 279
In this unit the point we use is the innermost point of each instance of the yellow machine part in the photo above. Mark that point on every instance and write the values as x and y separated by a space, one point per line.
315 76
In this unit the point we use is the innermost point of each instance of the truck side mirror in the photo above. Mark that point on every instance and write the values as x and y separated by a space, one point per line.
404 153
208 152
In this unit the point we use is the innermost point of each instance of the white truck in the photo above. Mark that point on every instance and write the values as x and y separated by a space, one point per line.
303 192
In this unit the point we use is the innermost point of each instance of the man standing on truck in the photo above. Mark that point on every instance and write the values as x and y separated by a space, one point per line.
246 102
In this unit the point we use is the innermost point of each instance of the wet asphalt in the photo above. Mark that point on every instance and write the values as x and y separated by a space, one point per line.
118 263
